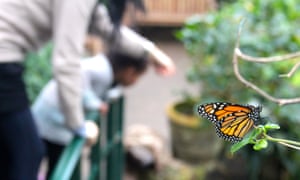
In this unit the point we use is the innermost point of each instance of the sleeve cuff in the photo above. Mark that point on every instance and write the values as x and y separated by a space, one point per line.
80 131
91 101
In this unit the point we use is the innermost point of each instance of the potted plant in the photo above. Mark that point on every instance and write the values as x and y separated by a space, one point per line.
193 138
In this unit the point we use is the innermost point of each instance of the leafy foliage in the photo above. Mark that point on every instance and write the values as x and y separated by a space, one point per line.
38 71
272 28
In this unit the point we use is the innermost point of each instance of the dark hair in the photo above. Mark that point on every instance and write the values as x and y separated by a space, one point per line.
116 9
120 60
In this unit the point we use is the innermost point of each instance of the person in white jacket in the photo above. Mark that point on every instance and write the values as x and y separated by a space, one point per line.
26 26
100 73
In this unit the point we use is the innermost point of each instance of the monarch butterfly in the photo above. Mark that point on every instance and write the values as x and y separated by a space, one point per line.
232 121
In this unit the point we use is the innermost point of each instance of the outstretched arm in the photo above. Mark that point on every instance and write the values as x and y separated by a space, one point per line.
130 41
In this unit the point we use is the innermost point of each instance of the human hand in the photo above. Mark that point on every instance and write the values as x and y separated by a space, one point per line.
103 109
162 62
92 132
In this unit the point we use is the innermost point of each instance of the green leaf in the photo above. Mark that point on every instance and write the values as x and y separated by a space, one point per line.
246 140
271 126
258 131
260 144
193 20
295 79
239 145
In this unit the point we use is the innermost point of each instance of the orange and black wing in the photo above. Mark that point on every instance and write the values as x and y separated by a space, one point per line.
232 121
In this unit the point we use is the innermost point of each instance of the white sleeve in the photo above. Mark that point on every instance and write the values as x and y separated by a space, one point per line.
95 72
90 100
70 22
126 40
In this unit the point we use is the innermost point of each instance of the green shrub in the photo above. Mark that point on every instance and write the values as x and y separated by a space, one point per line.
37 71
271 28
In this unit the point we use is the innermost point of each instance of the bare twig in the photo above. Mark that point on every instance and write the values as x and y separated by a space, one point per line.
293 70
289 145
267 59
238 54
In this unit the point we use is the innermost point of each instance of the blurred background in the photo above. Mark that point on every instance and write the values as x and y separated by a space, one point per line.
199 35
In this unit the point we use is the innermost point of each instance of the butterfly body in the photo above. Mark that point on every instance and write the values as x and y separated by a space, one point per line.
232 121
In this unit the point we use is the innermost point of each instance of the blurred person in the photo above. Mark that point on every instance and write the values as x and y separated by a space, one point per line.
28 25
93 45
99 73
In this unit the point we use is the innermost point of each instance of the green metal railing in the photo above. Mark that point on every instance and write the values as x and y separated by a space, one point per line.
69 165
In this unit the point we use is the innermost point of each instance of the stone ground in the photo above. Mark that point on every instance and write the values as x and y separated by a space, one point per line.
147 100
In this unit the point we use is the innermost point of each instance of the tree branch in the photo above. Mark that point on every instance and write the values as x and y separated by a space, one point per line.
238 54
293 70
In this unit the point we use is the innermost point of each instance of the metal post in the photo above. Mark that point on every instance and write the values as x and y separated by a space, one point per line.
112 152
95 157
110 133
119 148
69 163
114 135
77 171
69 160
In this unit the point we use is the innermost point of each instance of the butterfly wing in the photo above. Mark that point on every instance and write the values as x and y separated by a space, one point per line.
232 121
234 128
